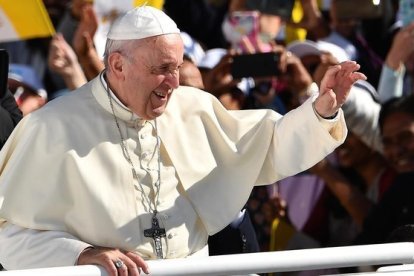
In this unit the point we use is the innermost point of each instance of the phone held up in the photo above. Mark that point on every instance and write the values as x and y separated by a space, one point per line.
255 65
242 24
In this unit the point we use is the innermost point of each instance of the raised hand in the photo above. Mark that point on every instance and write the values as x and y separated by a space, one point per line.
335 87
63 60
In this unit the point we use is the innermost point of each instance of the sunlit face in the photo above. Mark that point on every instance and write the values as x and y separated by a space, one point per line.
150 75
398 139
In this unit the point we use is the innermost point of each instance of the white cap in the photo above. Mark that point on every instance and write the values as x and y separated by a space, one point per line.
192 48
142 22
211 58
303 48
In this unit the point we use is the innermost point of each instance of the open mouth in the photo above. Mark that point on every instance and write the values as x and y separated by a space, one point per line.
162 95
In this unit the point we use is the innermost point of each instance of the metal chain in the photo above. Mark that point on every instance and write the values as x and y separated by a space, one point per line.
128 158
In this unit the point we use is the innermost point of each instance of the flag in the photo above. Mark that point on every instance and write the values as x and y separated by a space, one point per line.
24 19
154 3
108 10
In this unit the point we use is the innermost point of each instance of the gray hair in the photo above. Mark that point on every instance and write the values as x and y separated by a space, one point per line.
124 47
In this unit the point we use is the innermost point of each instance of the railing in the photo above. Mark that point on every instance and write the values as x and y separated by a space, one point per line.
237 264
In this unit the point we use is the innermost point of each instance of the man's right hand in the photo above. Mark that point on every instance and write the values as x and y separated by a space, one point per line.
129 263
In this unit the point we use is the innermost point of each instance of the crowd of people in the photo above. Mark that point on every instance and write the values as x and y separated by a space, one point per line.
323 146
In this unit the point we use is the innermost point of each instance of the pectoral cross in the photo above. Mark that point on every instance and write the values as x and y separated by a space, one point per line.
156 232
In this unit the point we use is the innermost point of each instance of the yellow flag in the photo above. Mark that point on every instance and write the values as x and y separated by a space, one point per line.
24 19
154 3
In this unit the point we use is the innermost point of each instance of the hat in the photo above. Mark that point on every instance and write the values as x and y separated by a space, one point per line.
142 22
192 49
211 58
26 75
303 48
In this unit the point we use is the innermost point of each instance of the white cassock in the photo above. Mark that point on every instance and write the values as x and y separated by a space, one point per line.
65 184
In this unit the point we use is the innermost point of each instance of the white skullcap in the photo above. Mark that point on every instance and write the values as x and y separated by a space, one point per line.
142 22
303 48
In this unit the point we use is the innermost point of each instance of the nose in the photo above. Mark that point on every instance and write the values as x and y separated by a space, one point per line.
172 79
395 149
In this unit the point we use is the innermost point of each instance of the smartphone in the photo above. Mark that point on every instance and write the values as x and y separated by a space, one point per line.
359 9
255 65
282 8
4 71
406 11
243 24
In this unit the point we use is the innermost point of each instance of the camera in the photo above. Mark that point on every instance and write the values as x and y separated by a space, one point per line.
255 65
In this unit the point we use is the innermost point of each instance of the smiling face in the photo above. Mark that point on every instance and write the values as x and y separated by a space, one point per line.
398 139
143 78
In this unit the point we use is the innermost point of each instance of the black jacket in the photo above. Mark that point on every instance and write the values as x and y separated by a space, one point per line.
10 115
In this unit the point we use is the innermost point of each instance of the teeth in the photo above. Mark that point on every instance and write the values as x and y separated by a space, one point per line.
161 94
402 162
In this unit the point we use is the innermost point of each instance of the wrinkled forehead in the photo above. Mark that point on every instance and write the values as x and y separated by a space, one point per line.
165 48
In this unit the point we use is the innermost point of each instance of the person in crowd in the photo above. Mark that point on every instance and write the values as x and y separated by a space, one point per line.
396 207
135 167
190 75
344 32
63 60
10 114
26 87
397 72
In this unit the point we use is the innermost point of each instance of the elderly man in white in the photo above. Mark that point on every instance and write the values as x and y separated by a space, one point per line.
112 175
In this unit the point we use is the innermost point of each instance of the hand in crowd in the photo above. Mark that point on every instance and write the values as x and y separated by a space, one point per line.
63 60
335 87
296 76
132 264
83 43
77 7
219 77
402 47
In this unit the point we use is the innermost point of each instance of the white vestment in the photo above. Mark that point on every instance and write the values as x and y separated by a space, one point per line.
65 184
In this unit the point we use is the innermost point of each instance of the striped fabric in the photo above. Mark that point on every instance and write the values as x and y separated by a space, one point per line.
24 19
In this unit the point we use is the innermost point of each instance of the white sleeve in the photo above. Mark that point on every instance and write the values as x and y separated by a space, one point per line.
361 115
23 248
390 83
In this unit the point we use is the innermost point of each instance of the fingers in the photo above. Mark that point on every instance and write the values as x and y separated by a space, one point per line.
115 262
138 261
328 79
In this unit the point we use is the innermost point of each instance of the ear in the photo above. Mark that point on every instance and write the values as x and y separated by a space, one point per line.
116 63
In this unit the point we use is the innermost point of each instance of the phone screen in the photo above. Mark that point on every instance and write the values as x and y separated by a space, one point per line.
255 65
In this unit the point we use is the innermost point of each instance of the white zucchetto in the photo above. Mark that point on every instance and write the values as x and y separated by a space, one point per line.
142 22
